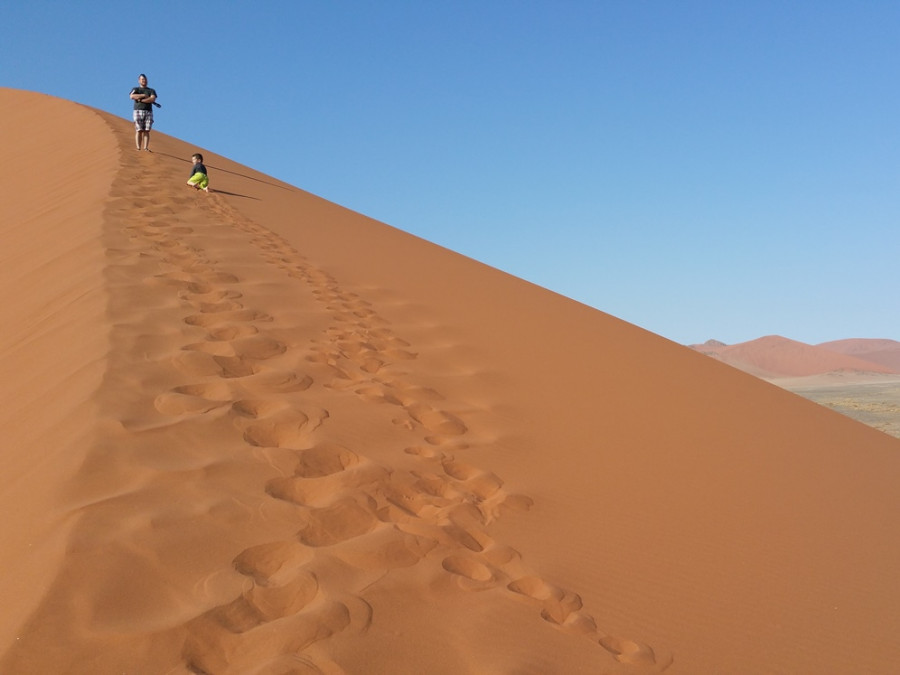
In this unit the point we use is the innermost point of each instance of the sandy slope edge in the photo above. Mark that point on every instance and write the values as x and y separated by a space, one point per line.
58 161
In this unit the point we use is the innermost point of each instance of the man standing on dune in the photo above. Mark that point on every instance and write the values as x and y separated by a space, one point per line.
143 97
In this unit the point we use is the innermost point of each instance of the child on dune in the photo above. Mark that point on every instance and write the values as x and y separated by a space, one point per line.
199 179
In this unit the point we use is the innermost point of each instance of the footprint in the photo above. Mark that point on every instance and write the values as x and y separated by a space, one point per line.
262 604
272 381
465 526
276 602
633 653
198 287
256 408
272 563
205 320
469 568
520 503
438 486
370 364
214 348
282 429
232 332
193 399
535 588
211 647
258 347
437 421
559 607
347 519
558 611
425 452
234 366
197 363
325 459
177 404
219 307
484 485
325 491
255 347
376 394
458 470
387 548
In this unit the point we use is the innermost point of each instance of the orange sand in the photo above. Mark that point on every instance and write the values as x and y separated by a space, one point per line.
254 432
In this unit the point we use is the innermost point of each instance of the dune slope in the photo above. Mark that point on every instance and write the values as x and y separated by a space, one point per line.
53 340
884 352
281 437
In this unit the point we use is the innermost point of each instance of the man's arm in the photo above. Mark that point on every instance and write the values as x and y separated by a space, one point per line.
143 98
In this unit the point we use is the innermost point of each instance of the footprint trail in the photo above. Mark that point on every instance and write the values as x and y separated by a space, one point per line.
267 387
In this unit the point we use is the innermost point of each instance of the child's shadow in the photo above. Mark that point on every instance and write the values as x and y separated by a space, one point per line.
235 173
232 194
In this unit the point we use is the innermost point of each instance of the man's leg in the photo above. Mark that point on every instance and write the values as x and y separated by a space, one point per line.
137 130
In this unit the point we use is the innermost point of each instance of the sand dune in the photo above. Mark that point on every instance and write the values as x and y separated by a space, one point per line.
254 432
775 356
884 352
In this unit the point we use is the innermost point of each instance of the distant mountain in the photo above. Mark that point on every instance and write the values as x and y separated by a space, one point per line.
776 356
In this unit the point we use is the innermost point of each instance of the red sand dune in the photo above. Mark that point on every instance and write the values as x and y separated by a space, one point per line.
775 356
883 352
254 432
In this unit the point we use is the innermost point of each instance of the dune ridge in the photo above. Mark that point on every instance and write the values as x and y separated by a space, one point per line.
881 351
775 356
322 445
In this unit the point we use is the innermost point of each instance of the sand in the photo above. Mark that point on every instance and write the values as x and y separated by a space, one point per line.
254 432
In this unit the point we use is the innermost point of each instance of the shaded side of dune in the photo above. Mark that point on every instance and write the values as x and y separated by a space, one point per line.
57 163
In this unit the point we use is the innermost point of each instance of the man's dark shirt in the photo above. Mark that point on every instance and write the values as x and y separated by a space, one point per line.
146 91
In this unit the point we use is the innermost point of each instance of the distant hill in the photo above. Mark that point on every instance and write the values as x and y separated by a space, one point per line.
775 356
885 352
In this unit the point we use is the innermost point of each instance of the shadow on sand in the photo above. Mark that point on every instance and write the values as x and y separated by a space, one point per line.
233 173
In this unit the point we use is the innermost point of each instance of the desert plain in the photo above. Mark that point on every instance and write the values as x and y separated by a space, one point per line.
858 377
252 431
871 400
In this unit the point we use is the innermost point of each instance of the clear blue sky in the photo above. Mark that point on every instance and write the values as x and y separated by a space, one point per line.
704 169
